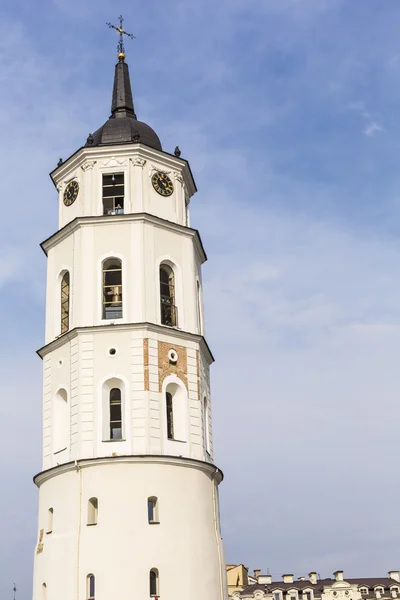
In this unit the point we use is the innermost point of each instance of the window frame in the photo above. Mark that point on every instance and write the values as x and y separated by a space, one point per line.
89 580
114 287
65 302
154 591
93 512
113 210
153 500
167 290
50 517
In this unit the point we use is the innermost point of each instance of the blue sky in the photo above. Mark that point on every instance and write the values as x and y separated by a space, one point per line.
289 113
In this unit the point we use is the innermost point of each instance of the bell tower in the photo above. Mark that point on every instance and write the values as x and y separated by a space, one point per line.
128 492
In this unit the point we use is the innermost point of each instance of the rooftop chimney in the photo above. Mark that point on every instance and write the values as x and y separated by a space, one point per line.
338 575
288 578
266 579
313 577
394 575
301 578
257 573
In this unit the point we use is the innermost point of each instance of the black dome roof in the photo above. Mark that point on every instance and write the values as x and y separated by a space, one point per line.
124 131
123 127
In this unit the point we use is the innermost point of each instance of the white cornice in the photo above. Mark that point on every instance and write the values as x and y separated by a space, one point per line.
74 225
208 468
131 151
152 327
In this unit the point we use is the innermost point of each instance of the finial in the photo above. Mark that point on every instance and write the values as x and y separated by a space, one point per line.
60 162
121 31
14 590
177 151
90 139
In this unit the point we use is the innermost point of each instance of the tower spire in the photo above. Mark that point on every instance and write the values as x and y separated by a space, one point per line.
122 101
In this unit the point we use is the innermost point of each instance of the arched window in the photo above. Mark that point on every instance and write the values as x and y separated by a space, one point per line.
152 509
112 289
176 407
169 315
154 583
206 433
93 508
115 414
61 422
44 591
65 302
199 303
50 514
170 416
90 584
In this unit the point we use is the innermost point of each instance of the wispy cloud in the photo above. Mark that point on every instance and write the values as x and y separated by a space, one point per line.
297 214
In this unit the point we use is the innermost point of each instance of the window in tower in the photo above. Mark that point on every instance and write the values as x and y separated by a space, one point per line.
112 289
115 414
90 584
199 303
65 302
154 584
170 416
206 433
113 194
61 421
50 514
152 510
169 314
176 411
93 509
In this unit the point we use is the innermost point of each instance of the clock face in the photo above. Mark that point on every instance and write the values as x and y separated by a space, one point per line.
71 193
162 184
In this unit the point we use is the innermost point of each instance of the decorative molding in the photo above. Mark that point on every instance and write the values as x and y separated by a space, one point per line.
178 177
178 461
138 162
89 165
114 162
155 169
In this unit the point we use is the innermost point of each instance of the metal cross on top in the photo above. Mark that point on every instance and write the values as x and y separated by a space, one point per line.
122 32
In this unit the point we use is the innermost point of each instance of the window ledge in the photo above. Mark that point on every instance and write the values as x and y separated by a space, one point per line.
49 532
114 441
178 441
91 524
154 522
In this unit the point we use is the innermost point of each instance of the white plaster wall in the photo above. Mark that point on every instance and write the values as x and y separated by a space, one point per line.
82 365
138 164
141 246
120 550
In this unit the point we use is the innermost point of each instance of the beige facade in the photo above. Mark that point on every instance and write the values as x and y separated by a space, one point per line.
312 588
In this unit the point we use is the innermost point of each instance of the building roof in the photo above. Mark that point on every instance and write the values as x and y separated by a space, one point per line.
123 127
370 582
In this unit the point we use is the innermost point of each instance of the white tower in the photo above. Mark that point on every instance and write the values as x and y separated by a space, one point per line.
128 503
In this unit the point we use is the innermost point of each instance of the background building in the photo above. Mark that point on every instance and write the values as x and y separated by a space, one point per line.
313 588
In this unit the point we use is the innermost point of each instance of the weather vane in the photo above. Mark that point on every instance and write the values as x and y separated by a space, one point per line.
14 590
122 32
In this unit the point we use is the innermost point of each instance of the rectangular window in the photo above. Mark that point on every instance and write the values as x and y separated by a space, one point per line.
113 194
306 595
277 596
